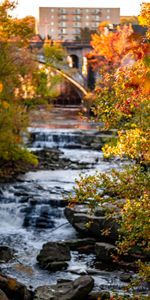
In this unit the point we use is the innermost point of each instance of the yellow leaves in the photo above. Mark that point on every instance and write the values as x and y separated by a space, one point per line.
4 104
144 17
133 143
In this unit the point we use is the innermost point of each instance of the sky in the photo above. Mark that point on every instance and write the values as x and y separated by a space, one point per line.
30 7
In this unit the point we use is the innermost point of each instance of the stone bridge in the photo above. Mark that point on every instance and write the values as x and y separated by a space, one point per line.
77 53
74 76
77 61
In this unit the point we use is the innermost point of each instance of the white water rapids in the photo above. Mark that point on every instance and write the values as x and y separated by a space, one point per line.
38 196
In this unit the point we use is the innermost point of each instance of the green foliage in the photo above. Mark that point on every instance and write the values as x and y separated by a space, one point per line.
85 35
46 83
124 195
102 189
135 225
15 74
55 55
13 122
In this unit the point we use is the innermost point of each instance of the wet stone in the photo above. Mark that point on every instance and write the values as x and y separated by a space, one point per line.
104 252
86 245
92 226
13 289
6 254
66 290
54 256
3 295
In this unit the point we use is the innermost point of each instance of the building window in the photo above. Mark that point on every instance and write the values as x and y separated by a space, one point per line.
78 11
63 17
95 25
52 23
87 11
97 10
77 18
77 31
63 11
63 24
63 31
77 24
87 17
52 17
52 9
108 10
108 17
52 30
97 18
86 24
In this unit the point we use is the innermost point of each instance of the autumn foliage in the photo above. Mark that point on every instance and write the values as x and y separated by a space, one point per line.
15 74
121 101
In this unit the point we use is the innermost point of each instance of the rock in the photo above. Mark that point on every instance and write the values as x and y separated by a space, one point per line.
104 251
104 295
66 290
126 277
86 245
90 225
100 212
54 256
13 289
6 254
3 296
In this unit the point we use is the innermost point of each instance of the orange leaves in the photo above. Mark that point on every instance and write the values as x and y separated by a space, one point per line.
1 87
113 45
146 84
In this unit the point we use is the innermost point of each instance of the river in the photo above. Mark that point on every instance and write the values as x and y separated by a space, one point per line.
32 208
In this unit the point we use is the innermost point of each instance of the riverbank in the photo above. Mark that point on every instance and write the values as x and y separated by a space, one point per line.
32 215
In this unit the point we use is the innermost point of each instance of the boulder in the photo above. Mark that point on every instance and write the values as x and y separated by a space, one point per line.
54 256
86 245
104 252
66 290
13 289
3 296
91 225
6 254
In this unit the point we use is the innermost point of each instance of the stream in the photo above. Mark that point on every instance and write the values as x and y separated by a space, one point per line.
32 208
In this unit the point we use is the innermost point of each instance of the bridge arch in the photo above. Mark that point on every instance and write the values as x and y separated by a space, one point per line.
73 61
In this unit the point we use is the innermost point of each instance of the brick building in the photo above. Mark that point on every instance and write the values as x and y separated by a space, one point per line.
65 23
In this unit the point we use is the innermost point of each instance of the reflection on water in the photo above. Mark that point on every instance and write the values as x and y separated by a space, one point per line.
61 117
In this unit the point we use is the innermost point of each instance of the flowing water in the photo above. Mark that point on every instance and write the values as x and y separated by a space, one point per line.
32 208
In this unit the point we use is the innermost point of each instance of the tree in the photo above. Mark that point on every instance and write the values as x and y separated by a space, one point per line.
129 20
55 54
122 101
31 23
144 18
15 71
116 48
85 34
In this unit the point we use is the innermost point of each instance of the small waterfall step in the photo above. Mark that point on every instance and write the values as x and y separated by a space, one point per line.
72 139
